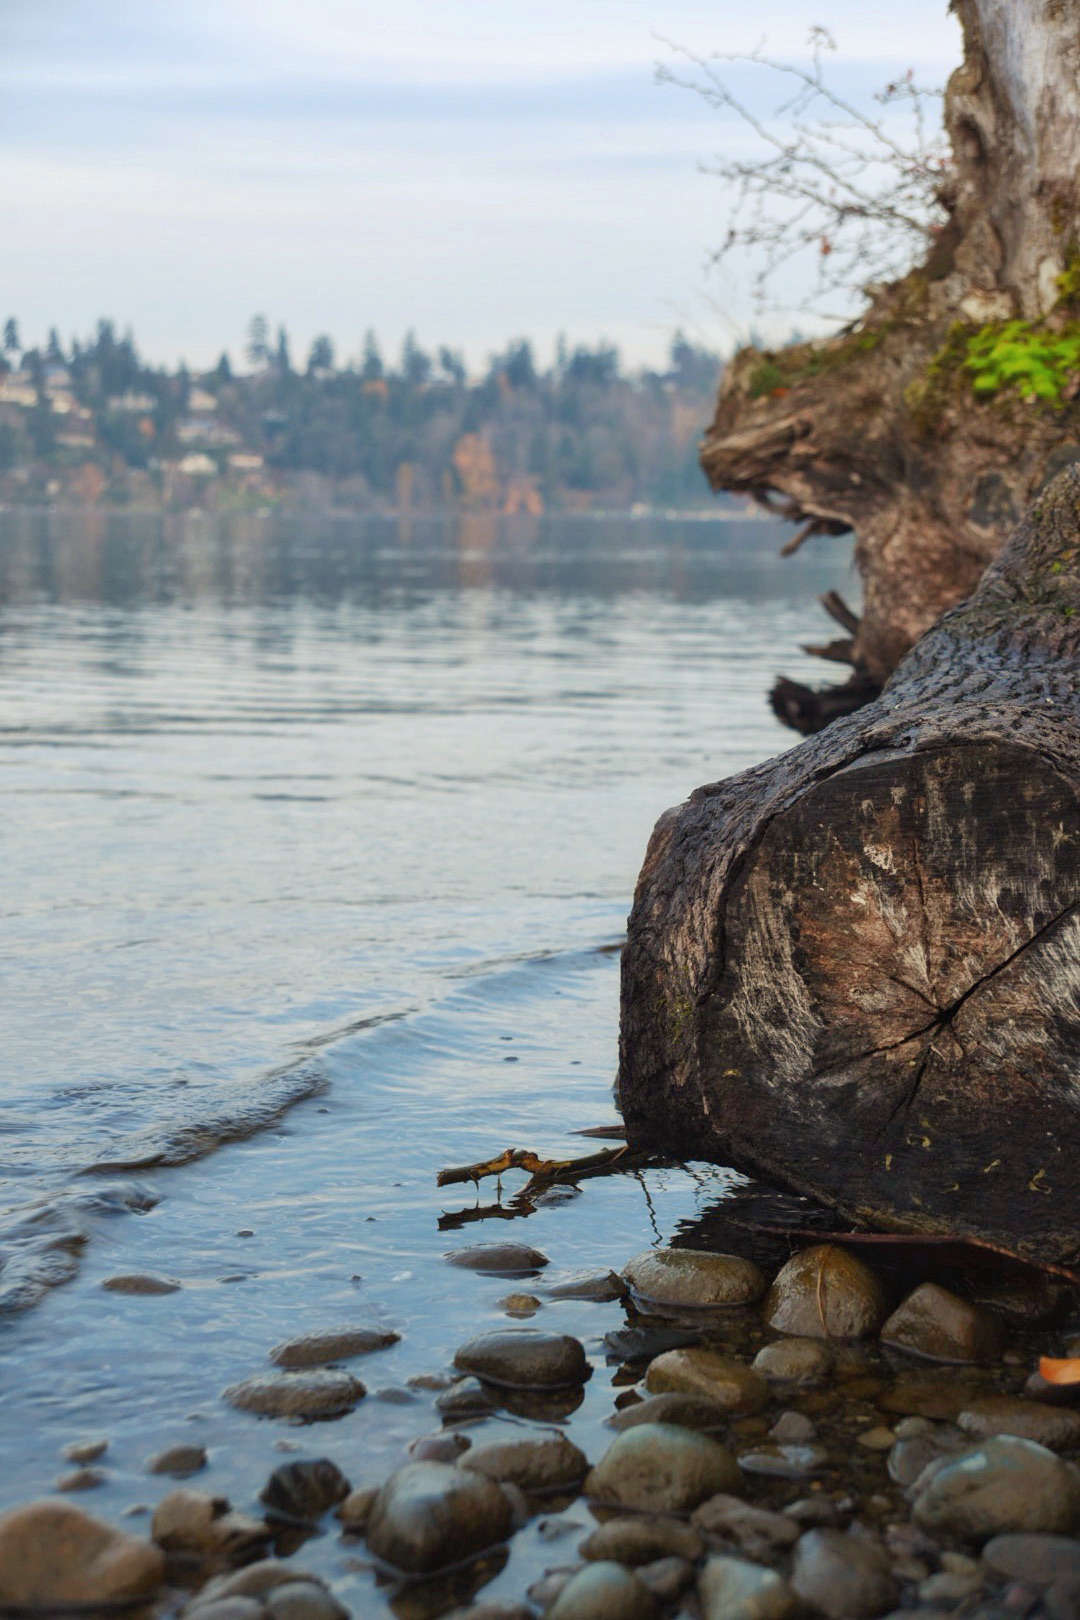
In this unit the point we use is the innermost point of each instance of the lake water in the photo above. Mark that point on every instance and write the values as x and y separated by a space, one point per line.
319 838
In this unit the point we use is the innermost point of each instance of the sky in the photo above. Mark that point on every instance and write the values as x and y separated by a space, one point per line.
473 170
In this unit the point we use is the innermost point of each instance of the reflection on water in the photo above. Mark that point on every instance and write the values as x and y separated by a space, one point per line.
307 809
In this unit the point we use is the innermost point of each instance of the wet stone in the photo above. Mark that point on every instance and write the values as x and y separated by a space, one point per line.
499 1259
81 1479
800 1363
693 1278
844 1575
429 1515
336 1344
877 1438
445 1448
663 1469
1057 1428
826 1293
685 1411
1004 1484
642 1343
936 1397
667 1578
795 1429
226 1608
519 1304
1037 1560
603 1591
85 1451
910 1456
785 1462
304 1490
524 1358
140 1282
601 1287
754 1530
54 1553
534 1466
934 1323
721 1379
464 1399
254 1580
355 1511
642 1540
320 1393
733 1589
179 1462
303 1600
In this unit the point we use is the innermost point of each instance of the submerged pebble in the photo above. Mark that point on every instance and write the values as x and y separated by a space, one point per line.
844 1575
662 1469
524 1358
798 1362
499 1259
141 1282
554 1464
603 1591
693 1278
429 1515
179 1462
1056 1427
333 1344
320 1393
1005 1484
734 1589
687 1411
728 1383
642 1539
601 1287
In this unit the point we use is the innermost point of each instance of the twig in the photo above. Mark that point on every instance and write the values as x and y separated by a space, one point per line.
545 1170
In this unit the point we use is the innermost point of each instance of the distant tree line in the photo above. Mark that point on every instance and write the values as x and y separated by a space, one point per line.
418 431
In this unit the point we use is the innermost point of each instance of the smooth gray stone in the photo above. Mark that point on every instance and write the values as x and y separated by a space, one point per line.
734 1589
844 1575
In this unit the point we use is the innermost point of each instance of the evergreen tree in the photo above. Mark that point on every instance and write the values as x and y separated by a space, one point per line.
258 341
12 344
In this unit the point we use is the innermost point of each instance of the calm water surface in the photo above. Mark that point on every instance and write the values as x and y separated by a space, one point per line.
318 839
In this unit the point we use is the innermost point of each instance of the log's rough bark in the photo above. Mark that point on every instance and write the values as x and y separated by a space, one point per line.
856 968
877 430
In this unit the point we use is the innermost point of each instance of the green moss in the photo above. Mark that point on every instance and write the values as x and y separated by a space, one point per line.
782 369
1032 361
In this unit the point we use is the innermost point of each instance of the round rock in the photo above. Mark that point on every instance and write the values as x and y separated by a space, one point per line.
53 1553
534 1466
642 1540
320 1393
429 1515
799 1363
660 1468
524 1358
1056 1427
601 1287
1035 1560
1004 1484
305 1490
335 1344
693 1278
844 1575
603 1591
727 1383
686 1411
826 1293
141 1282
303 1600
733 1589
499 1259
179 1462
940 1326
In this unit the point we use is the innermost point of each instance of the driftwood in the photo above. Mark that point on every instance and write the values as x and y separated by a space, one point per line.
856 968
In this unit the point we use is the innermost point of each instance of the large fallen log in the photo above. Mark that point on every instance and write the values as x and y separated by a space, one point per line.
856 968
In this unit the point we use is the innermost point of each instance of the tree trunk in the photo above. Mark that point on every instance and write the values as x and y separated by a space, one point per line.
856 968
878 430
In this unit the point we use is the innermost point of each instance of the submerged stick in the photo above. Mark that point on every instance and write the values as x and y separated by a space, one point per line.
540 1169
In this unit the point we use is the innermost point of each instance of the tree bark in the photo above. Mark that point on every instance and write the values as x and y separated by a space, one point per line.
856 968
877 430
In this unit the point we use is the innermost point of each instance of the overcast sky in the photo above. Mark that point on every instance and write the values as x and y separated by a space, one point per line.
473 169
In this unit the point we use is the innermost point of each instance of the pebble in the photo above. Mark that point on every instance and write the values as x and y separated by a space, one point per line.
1039 1560
335 1344
304 1600
844 1575
534 1466
491 1611
355 1511
785 1462
601 1287
733 1589
949 1587
603 1591
428 1515
795 1428
444 1447
755 1530
464 1399
81 1479
643 1540
642 1343
826 1293
54 1553
934 1323
255 1579
909 1457
661 1468
227 1608
877 1438
686 1411
85 1451
667 1578
799 1362
941 1399
519 1304
499 1259
320 1393
721 1379
693 1277
180 1462
1004 1484
1056 1427
141 1282
305 1490
524 1358
193 1521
